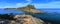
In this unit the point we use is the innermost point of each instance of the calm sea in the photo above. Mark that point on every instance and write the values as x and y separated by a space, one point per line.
19 11
11 11
50 16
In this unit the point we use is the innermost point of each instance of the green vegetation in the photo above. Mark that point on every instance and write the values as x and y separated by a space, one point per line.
31 6
29 9
26 7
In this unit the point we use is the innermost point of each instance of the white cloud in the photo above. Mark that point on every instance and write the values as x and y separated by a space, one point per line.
21 4
15 6
18 5
55 4
28 0
8 7
1 7
48 5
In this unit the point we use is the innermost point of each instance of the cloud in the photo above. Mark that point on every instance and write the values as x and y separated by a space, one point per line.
21 4
55 4
28 0
1 7
8 7
14 6
24 4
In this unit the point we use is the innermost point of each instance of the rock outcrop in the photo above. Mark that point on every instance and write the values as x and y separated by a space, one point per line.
26 19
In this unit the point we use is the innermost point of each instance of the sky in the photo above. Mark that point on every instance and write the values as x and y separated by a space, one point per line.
36 3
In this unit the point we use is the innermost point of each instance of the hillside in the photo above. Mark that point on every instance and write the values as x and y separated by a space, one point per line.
30 8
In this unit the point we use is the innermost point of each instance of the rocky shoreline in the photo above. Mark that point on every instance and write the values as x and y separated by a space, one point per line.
23 19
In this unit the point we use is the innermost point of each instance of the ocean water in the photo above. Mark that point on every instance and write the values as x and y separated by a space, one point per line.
11 11
50 10
49 16
19 11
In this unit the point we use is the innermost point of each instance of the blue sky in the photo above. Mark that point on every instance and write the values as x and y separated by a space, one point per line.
37 3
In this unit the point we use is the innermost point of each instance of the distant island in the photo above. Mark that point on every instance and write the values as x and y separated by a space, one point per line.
30 9
9 8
